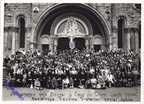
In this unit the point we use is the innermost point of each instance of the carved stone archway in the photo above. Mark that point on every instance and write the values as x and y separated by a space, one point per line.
91 12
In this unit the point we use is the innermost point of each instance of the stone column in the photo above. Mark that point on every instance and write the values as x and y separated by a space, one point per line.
91 44
16 38
51 44
110 42
136 40
32 38
13 40
127 31
5 41
115 38
27 38
132 40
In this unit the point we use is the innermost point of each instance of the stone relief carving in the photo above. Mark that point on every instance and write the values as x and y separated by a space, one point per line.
71 28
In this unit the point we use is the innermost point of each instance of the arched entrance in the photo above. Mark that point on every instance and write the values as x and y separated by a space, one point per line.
45 43
97 42
89 22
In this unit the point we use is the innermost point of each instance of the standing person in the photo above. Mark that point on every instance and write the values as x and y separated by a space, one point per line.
135 74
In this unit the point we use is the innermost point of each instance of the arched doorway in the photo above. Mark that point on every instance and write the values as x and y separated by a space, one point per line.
45 42
98 24
97 43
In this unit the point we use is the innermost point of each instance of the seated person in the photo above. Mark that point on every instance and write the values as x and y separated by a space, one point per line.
29 79
18 82
124 79
37 84
93 82
110 79
88 83
9 78
98 81
65 82
129 78
53 83
24 80
48 84
102 83
80 84
71 84
59 83
118 78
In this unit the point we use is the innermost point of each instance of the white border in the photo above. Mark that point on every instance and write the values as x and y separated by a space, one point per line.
70 1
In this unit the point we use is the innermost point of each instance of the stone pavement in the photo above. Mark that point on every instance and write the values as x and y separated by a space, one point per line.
110 94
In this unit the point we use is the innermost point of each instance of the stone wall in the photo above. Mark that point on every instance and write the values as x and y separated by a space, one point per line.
109 12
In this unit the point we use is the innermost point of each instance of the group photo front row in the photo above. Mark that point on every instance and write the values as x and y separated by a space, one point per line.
72 69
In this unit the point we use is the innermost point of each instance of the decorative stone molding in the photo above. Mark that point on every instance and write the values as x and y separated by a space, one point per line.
127 30
35 9
134 29
11 28
94 5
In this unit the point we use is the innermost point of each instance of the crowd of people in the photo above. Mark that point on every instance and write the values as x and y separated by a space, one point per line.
73 68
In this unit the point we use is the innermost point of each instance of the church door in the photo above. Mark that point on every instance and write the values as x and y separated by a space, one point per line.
80 43
63 44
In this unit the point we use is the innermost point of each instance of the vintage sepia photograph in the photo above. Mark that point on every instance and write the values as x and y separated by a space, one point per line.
89 52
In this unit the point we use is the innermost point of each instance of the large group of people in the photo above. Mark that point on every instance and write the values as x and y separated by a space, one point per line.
73 68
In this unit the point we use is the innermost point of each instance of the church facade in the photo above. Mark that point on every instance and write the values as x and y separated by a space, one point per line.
64 26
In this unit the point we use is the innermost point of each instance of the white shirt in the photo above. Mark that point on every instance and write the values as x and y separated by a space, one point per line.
93 80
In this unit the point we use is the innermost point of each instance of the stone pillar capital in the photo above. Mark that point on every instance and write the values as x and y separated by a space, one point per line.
127 30
11 28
